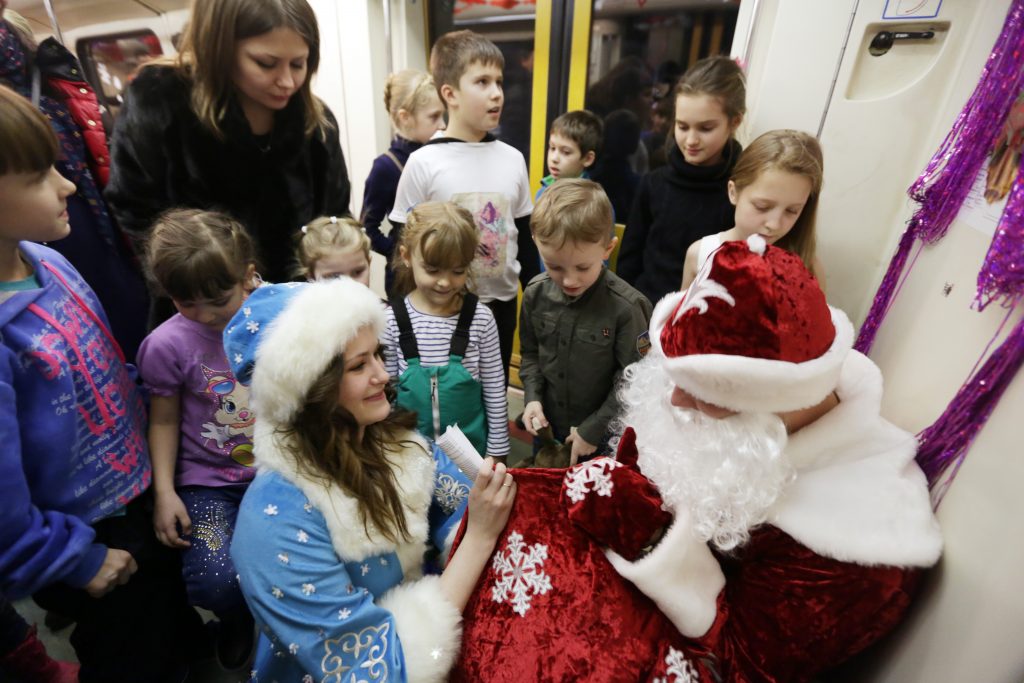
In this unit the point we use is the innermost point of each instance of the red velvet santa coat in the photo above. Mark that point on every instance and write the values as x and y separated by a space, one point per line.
831 572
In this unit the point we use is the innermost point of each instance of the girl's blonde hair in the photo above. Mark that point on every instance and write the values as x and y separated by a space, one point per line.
443 234
409 90
325 234
209 41
193 254
794 152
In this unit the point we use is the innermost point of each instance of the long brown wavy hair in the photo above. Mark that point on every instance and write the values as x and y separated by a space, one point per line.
208 45
326 446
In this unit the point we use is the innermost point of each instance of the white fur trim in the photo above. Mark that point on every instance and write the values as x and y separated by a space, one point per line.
429 628
859 495
747 384
414 474
680 575
299 344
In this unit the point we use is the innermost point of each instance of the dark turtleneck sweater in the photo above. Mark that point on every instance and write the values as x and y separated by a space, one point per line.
675 206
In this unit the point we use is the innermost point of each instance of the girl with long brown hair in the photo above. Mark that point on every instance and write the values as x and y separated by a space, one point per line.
331 535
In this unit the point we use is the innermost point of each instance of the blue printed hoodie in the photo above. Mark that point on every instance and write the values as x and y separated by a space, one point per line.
72 425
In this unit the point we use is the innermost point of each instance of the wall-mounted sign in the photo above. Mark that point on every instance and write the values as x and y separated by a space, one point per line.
911 9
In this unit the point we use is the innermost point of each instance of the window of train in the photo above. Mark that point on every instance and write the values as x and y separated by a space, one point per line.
510 25
638 50
110 61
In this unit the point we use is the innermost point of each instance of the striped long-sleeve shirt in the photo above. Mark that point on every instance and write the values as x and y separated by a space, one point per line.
482 360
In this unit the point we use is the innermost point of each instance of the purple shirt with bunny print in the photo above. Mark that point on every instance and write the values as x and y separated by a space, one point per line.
215 444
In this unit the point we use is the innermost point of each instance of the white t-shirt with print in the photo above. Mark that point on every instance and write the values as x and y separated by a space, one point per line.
489 179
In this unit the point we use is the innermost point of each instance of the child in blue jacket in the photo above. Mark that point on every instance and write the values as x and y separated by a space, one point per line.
74 468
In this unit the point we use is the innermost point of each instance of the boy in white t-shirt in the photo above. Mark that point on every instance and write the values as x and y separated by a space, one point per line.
472 168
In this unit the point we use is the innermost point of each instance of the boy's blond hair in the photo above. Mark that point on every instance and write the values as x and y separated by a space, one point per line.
324 234
582 127
455 52
572 210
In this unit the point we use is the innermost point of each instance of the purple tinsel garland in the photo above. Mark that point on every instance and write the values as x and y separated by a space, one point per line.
948 178
943 445
1002 273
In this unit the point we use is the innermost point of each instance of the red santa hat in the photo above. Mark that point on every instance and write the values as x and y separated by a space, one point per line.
753 332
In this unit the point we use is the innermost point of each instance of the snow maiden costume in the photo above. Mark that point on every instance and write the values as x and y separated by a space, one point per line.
821 565
329 596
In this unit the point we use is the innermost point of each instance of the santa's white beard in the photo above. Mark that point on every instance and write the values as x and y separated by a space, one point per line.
727 471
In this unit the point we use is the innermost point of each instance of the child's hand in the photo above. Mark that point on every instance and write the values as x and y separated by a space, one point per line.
118 566
168 512
490 501
580 447
533 417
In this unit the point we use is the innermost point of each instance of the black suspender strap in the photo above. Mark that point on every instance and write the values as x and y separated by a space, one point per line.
460 339
406 337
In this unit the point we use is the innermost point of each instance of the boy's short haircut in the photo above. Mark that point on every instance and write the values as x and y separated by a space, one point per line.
572 210
582 127
455 52
27 141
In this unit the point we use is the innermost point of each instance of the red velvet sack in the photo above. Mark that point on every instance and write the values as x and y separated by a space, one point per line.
550 607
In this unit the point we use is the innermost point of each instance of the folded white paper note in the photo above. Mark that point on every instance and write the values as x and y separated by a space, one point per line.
457 447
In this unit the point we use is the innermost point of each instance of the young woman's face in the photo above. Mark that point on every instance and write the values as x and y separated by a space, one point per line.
270 68
338 262
33 206
427 120
361 390
702 129
771 204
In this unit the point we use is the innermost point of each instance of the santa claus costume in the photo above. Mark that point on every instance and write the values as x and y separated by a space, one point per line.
787 553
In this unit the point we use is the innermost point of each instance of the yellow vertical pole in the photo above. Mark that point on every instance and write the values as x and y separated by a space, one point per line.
579 64
541 73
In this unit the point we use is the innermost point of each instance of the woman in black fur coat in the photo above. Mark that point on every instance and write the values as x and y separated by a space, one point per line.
232 124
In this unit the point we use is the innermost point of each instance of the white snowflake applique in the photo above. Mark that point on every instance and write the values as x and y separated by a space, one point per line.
520 573
679 669
277 592
270 510
293 648
247 311
253 326
364 569
283 557
308 507
238 359
344 613
383 561
302 536
307 679
594 475
308 589
449 492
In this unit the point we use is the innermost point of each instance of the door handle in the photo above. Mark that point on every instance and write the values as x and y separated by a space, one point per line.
884 40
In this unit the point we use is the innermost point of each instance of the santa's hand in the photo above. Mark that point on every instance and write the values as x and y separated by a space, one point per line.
614 504
533 417
580 447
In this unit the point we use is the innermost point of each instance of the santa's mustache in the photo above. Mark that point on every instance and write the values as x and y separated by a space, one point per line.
727 472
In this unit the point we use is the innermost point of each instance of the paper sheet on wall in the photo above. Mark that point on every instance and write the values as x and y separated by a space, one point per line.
976 211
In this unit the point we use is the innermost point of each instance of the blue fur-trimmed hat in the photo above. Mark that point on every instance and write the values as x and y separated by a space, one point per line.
284 336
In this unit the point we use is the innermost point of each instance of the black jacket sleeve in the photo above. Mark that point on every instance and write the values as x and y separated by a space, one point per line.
529 257
338 190
631 253
137 192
